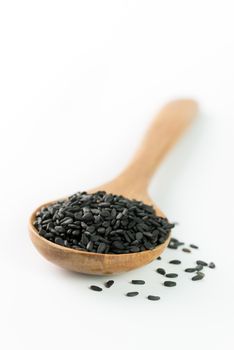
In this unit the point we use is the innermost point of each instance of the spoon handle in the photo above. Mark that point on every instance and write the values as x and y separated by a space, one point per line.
163 133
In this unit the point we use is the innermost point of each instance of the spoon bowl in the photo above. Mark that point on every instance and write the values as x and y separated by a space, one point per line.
131 183
88 262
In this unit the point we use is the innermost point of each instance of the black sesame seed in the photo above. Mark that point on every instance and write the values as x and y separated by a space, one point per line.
159 258
174 243
161 271
199 267
89 246
109 283
148 234
66 221
212 265
113 213
96 288
84 239
42 232
46 221
138 282
134 249
172 246
200 262
153 297
139 236
186 250
91 229
148 245
118 245
169 284
104 205
171 275
101 248
101 230
194 246
192 269
132 294
59 241
135 242
175 262
87 217
49 235
60 229
198 276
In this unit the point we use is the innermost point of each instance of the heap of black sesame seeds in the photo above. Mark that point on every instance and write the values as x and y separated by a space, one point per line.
102 223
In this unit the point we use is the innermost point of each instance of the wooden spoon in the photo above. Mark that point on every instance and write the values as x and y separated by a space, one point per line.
132 183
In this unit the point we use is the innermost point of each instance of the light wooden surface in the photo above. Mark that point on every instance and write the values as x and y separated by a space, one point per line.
133 182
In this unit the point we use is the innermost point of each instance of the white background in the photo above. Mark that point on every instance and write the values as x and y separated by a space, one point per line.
79 83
